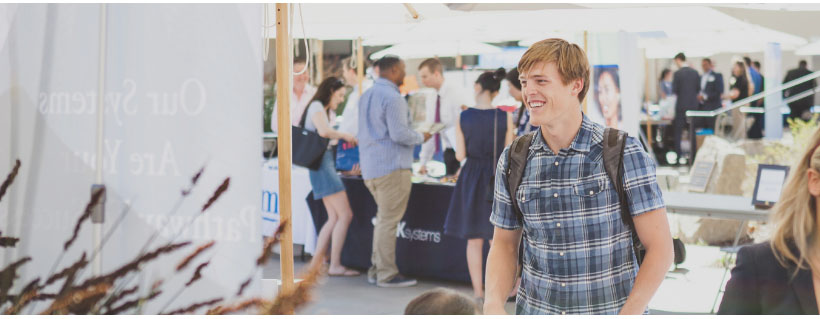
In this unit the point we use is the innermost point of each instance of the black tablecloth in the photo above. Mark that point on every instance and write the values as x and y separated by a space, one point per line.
422 249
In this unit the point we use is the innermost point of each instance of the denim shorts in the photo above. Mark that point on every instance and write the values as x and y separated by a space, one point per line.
325 181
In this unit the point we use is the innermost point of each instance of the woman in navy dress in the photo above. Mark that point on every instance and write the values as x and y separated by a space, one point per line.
469 214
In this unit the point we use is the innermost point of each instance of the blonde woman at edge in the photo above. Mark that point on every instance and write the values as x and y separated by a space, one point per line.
782 277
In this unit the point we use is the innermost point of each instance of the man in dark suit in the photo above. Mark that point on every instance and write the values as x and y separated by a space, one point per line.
686 85
801 106
711 88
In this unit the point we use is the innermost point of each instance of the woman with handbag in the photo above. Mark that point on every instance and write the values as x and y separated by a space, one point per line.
481 134
326 184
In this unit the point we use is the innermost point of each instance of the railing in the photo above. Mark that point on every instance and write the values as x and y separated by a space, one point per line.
713 113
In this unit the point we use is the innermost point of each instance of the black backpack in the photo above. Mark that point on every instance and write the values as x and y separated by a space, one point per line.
614 143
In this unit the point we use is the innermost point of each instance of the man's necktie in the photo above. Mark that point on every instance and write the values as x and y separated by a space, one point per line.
438 120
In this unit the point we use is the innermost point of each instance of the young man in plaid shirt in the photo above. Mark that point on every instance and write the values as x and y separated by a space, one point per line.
578 252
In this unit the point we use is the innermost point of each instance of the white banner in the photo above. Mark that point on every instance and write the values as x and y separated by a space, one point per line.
304 232
183 90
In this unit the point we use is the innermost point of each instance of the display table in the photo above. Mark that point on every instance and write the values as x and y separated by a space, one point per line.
422 249
715 206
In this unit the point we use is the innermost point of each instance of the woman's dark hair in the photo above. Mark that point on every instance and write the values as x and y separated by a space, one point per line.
326 89
491 81
664 73
512 77
742 69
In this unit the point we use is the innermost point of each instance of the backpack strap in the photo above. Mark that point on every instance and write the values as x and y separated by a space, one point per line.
614 144
516 163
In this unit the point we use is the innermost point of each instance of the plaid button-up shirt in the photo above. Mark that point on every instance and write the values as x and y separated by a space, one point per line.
578 256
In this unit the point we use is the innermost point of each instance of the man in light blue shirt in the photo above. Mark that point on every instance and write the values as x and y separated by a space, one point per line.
386 144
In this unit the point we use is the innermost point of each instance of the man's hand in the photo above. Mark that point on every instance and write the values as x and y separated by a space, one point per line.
423 170
355 171
700 97
427 136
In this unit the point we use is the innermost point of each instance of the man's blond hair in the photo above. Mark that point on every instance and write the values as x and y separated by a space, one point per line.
570 59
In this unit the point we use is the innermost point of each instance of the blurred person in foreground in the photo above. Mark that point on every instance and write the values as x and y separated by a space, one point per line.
782 276
578 252
442 301
386 144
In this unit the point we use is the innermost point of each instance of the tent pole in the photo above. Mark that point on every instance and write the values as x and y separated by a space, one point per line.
586 46
359 64
97 217
412 11
320 60
284 66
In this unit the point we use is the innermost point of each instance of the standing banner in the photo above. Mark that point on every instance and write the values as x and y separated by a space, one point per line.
183 90
616 75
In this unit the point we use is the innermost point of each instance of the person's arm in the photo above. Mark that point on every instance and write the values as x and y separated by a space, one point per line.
750 84
321 122
719 84
461 150
427 151
502 265
645 202
653 231
676 83
502 262
742 294
398 126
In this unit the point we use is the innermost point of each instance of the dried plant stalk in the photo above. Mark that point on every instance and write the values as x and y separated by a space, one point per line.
9 178
241 306
78 297
133 303
68 270
193 255
267 249
287 301
194 179
95 198
7 277
8 241
193 307
243 286
132 266
24 297
117 297
219 191
197 274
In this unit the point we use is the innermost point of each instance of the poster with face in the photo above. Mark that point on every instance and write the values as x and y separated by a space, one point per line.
605 105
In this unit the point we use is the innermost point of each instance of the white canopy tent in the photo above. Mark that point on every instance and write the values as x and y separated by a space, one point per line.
414 50
661 33
809 49
337 21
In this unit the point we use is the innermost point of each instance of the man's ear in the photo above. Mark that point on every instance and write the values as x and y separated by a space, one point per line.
577 86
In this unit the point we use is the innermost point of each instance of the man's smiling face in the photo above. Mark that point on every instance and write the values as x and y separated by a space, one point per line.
546 95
